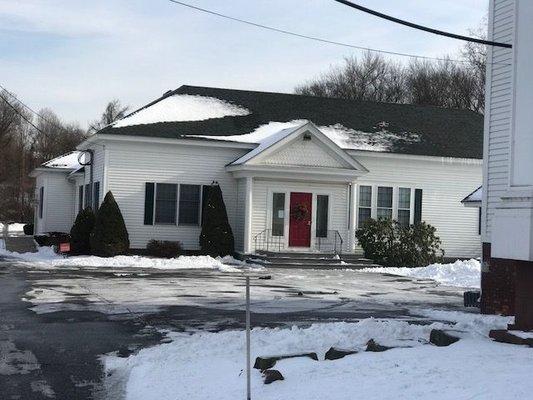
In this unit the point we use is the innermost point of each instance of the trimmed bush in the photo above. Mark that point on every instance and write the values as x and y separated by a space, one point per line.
80 232
109 237
28 229
216 238
163 248
388 243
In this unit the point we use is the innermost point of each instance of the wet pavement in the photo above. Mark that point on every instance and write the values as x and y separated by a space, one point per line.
56 323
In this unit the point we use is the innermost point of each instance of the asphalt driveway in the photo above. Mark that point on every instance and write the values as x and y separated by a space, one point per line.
56 323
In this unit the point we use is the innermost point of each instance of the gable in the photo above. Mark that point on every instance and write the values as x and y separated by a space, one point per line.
304 153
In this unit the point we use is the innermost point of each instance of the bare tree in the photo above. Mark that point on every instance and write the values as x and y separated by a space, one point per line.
113 111
441 83
371 78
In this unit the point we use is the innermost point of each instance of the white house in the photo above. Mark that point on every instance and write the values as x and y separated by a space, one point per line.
507 223
297 172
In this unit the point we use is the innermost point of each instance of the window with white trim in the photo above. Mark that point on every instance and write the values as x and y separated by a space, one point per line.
165 203
384 209
365 205
189 207
278 214
404 206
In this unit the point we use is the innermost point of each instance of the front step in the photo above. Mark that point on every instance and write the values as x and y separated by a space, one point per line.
311 260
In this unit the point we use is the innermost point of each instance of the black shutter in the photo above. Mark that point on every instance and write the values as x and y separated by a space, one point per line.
41 201
80 198
149 204
418 206
96 195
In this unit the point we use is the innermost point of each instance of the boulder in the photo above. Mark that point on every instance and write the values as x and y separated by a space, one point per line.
442 338
272 375
334 353
264 363
371 345
504 336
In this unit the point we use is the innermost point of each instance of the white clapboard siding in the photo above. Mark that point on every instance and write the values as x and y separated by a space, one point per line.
498 110
130 165
58 207
444 182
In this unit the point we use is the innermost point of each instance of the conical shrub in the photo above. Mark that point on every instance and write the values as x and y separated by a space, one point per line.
216 238
80 232
109 237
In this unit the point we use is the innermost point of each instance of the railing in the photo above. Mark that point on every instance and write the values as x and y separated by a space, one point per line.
329 241
265 241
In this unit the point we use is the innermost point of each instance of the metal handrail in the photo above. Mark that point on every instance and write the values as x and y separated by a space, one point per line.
265 241
331 242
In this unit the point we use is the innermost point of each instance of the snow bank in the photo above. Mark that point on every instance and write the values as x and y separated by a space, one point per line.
460 273
183 107
210 365
46 258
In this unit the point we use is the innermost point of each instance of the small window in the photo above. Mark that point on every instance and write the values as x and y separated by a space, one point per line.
384 202
80 198
96 196
365 204
278 214
189 209
41 201
165 203
322 205
404 206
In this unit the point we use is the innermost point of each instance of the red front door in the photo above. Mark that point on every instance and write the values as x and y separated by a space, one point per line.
300 220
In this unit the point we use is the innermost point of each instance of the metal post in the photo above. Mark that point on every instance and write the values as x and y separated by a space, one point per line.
248 371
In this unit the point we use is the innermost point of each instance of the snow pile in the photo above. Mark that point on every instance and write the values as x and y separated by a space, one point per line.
182 107
46 258
379 140
461 273
210 365
66 161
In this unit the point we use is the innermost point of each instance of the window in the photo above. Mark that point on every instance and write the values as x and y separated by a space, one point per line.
365 204
88 202
404 206
322 202
384 202
41 201
165 203
189 209
278 214
96 196
80 198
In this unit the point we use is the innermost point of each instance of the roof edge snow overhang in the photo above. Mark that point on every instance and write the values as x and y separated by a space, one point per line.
40 170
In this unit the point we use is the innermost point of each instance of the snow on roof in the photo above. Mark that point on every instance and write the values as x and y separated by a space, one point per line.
266 143
66 161
475 196
345 138
182 107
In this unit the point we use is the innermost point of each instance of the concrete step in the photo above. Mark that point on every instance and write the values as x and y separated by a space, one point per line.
20 244
321 266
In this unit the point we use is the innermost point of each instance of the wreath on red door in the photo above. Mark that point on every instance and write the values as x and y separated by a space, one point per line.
300 212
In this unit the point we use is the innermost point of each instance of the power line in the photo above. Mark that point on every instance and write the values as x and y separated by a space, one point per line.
30 109
421 27
315 38
21 114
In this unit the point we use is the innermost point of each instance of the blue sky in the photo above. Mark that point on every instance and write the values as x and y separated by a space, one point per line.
74 56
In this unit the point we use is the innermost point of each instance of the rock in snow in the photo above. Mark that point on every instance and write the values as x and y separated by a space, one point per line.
442 338
272 375
372 346
335 353
264 363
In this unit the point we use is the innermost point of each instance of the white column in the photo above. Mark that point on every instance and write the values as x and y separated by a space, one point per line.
248 215
353 210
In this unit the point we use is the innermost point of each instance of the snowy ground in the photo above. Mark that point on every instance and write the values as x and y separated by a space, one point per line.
461 273
210 365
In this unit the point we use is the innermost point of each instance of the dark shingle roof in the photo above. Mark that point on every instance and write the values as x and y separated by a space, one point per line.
442 132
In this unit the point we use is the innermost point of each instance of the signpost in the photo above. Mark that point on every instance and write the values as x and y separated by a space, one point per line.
248 365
